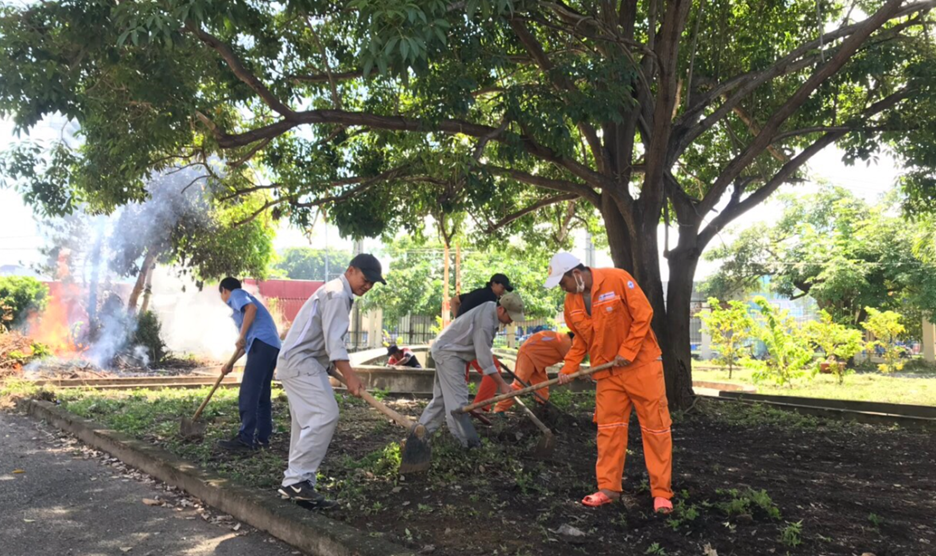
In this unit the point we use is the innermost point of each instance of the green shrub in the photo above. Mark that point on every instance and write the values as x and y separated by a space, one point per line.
20 295
887 328
730 327
148 335
788 351
837 342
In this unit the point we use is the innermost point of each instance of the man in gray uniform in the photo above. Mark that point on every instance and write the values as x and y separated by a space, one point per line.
315 342
469 337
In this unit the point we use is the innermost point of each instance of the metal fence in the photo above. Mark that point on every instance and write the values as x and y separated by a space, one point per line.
411 330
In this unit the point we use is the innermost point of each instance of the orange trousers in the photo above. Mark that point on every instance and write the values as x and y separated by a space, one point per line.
488 388
643 389
527 372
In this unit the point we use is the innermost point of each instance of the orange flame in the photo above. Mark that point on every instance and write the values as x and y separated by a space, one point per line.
52 327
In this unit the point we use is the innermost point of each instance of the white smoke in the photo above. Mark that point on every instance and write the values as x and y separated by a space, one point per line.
105 252
193 321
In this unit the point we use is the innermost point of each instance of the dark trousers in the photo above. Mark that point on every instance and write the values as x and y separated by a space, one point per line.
256 407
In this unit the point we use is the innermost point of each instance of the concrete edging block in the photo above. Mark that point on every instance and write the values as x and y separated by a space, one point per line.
303 529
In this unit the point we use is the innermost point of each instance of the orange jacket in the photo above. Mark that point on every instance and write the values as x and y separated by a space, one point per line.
619 324
546 348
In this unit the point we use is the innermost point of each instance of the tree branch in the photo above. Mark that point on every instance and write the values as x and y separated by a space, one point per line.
532 208
652 194
763 139
560 83
400 123
819 129
564 186
755 131
327 77
240 71
336 98
750 81
250 154
351 192
253 216
563 231
736 208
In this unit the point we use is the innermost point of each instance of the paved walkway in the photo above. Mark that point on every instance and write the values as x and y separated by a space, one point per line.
59 497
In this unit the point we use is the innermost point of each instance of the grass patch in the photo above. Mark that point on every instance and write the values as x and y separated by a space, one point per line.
154 415
918 387
761 415
14 388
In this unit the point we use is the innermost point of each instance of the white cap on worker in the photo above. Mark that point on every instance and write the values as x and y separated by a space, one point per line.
559 265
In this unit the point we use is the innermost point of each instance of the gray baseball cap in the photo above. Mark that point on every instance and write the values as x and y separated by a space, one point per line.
513 304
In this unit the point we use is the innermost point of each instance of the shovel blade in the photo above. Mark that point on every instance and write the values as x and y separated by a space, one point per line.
191 430
545 447
417 454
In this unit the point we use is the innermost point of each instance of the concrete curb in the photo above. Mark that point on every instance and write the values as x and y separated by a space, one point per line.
303 529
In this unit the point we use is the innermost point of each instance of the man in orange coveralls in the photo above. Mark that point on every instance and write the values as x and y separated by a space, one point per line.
610 317
541 351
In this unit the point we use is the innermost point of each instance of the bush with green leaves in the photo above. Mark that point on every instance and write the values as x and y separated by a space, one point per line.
788 352
729 326
19 296
838 342
887 328
147 335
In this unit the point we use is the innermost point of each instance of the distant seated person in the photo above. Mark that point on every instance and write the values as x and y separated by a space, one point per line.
497 286
401 357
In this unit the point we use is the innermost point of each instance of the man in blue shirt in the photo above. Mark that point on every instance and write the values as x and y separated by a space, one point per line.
261 342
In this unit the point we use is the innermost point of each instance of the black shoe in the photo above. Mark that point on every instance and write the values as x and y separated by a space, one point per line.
263 445
306 494
236 445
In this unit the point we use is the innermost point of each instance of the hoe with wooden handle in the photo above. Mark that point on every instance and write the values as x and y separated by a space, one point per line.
192 429
417 454
529 389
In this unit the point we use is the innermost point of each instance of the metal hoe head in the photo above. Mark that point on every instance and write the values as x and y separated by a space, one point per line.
545 447
191 430
417 454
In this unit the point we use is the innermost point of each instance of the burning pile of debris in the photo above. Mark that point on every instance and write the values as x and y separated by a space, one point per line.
16 350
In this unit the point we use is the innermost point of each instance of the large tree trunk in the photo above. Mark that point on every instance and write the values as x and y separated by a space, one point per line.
147 289
148 261
619 240
670 308
677 352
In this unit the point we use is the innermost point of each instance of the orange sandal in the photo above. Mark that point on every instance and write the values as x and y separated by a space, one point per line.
597 499
662 505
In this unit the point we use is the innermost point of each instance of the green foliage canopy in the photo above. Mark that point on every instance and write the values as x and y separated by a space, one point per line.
839 250
306 263
416 276
19 296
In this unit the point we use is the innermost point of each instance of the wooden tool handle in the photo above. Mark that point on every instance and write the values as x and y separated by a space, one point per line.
539 424
377 404
529 389
198 412
519 381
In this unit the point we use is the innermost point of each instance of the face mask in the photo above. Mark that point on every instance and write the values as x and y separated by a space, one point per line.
579 282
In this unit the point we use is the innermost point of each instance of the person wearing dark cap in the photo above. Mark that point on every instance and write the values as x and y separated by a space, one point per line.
497 286
315 343
260 341
401 357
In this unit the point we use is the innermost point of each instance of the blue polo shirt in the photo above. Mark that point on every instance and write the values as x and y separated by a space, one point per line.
263 327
